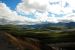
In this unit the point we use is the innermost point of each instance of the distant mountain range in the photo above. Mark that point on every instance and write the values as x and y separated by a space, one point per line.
46 25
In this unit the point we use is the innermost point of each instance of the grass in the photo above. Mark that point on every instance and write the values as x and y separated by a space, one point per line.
32 37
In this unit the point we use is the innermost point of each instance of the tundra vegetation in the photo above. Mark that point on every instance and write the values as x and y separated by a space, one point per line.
37 39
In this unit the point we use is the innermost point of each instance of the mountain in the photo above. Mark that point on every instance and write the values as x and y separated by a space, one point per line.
70 24
46 25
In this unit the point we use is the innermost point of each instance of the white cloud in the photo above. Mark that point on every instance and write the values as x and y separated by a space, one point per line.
32 5
40 9
12 17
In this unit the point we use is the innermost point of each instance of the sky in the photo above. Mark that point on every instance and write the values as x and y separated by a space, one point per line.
11 3
36 11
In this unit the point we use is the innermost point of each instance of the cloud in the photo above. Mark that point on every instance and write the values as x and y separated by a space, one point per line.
7 16
59 9
38 11
32 5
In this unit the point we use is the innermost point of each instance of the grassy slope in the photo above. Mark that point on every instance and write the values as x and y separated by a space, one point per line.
28 37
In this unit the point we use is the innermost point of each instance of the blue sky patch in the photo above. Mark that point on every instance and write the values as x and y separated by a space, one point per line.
11 3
